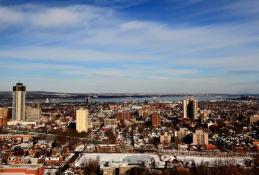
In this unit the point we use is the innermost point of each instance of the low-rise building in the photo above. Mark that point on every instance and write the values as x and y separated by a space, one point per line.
107 148
114 168
110 122
123 115
22 169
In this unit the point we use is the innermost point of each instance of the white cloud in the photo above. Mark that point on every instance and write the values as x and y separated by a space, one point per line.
70 54
143 72
8 17
27 16
56 18
118 3
101 27
244 8
175 55
245 61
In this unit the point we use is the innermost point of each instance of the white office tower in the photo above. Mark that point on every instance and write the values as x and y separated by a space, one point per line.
190 108
19 105
81 120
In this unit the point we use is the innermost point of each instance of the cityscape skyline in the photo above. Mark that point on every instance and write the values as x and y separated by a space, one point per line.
145 46
129 87
118 137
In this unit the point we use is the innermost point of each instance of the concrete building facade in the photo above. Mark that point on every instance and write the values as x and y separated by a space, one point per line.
190 108
33 114
110 122
165 138
200 138
3 116
181 133
82 120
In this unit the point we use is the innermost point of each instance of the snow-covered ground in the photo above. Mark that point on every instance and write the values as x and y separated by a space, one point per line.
148 158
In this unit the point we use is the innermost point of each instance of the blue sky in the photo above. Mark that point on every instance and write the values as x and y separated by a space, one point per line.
164 46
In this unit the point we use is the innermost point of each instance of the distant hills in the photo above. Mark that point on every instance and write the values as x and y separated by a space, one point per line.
45 94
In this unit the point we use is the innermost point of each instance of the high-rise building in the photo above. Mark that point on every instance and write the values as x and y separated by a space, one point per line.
155 120
33 114
200 138
190 108
87 100
82 120
165 138
181 133
3 116
19 105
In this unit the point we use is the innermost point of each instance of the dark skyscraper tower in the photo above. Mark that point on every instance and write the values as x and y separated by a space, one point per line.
190 108
19 106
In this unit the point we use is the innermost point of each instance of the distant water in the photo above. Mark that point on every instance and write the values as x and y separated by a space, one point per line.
173 98
138 99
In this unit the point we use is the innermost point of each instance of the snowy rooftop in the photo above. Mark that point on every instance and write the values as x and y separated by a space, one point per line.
148 158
